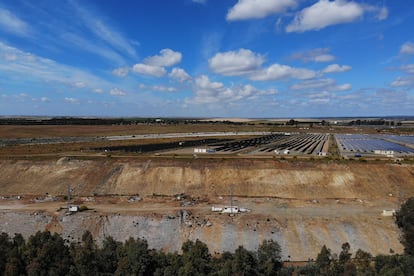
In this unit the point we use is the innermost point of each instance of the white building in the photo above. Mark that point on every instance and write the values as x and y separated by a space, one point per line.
230 210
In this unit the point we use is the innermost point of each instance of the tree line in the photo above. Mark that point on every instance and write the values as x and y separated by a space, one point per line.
45 253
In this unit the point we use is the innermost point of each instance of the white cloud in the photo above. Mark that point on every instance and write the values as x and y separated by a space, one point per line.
324 58
382 14
103 31
12 24
45 100
79 84
279 71
335 68
409 69
403 82
313 84
26 65
158 88
342 87
93 47
98 91
325 13
179 74
149 70
121 71
200 1
321 84
234 63
407 48
315 55
166 58
117 92
247 9
72 100
208 92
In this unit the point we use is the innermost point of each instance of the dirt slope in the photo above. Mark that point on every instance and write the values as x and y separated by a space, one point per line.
301 180
302 205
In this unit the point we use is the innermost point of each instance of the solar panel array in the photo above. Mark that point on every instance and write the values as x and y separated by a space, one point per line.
368 144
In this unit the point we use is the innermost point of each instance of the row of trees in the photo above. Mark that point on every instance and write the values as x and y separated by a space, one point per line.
48 254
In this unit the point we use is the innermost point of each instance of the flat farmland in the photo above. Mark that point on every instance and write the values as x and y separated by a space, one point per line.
35 131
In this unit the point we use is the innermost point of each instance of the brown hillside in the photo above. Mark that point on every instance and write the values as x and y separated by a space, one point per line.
254 178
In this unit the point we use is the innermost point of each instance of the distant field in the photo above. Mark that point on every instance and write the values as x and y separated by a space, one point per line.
36 131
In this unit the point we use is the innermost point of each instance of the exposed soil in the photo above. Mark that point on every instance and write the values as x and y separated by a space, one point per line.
301 204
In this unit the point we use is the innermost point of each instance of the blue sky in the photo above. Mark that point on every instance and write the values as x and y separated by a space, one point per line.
207 58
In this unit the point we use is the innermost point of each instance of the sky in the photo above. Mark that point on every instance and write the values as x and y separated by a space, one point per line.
207 58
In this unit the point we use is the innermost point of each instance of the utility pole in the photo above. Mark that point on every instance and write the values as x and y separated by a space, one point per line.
231 197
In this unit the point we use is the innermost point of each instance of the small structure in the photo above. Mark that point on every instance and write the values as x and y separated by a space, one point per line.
388 153
388 213
216 209
230 210
200 150
74 208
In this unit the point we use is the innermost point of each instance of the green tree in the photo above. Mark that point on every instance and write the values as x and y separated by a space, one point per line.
5 246
46 254
135 258
108 255
343 264
196 258
405 221
269 257
362 262
323 261
85 255
15 264
244 262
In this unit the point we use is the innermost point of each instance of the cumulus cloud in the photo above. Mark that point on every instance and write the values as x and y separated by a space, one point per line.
179 74
12 24
166 58
149 70
279 71
247 9
45 100
155 65
234 63
325 13
117 92
315 55
407 48
335 68
121 72
208 92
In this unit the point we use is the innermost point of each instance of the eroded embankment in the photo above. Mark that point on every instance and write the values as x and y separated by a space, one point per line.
299 226
254 178
300 237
